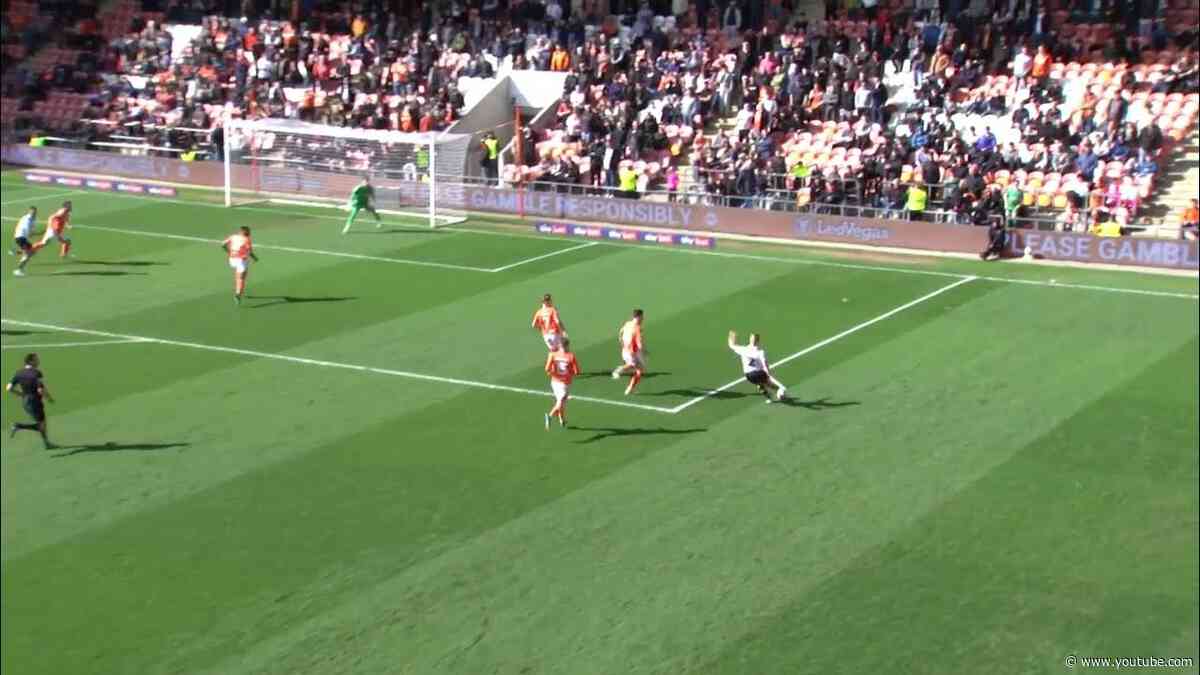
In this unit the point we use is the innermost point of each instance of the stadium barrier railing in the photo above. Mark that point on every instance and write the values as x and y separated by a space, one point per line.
782 191
558 202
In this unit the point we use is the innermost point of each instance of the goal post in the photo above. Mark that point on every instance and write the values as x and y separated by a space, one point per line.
293 162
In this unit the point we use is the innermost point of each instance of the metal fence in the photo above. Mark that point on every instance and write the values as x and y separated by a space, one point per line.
779 199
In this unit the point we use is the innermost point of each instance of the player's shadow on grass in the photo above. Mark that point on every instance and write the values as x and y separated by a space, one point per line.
608 373
604 433
818 404
731 395
21 332
121 263
272 300
99 273
72 450
402 230
693 393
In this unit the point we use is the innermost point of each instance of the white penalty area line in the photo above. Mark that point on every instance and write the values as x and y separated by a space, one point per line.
545 255
337 254
93 343
328 364
35 197
718 254
829 340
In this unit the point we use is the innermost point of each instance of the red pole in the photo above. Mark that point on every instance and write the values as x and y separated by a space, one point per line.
517 156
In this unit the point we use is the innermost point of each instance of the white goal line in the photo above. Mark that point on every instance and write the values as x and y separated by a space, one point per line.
721 254
328 364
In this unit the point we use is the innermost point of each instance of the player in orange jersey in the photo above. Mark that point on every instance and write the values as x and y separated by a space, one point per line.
547 321
633 351
562 367
240 248
56 228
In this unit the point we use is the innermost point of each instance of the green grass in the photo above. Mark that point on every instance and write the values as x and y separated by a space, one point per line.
993 478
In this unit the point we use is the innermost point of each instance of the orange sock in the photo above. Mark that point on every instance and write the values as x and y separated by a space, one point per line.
64 249
38 246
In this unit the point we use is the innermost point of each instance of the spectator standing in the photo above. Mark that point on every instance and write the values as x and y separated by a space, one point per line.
672 180
918 199
629 180
491 156
1021 65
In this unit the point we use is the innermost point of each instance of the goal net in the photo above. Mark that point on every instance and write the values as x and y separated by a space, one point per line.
294 162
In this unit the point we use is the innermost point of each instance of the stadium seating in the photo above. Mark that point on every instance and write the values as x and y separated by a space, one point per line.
746 107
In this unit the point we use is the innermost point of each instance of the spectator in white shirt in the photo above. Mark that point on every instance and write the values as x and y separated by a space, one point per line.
1020 65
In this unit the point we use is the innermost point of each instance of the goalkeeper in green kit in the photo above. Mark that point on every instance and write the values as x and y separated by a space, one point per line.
361 198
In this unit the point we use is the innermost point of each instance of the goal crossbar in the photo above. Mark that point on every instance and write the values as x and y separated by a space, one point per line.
289 161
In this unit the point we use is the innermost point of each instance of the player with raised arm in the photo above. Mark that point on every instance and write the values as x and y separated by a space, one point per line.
29 385
362 197
239 248
755 367
21 240
56 228
547 321
562 367
633 351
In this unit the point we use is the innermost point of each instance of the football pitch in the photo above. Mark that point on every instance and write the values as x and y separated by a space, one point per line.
983 468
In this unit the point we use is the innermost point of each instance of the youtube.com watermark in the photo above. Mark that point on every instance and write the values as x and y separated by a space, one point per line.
1077 662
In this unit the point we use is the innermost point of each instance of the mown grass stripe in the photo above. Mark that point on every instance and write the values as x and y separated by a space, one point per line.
325 364
1065 272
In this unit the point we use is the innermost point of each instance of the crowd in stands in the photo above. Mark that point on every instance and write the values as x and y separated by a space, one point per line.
1063 105
982 119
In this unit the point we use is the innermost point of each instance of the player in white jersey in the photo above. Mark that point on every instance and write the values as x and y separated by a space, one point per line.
21 241
755 366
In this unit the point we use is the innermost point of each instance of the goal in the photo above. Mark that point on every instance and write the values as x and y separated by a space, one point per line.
293 162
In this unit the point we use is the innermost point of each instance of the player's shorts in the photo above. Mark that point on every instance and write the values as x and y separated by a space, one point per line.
35 408
631 358
23 245
559 388
758 377
52 234
238 265
551 340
